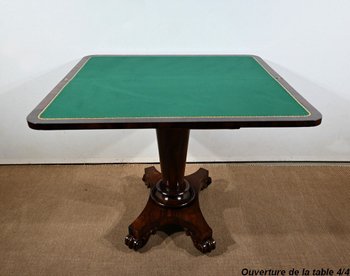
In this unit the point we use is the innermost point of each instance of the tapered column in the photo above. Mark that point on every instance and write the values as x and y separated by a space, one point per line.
173 190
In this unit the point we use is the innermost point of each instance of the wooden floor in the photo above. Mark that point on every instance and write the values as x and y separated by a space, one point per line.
72 219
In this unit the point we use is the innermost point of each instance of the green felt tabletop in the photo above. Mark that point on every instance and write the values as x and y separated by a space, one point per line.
172 86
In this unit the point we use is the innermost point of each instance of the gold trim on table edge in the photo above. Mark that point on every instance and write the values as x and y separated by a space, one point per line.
177 117
273 77
68 81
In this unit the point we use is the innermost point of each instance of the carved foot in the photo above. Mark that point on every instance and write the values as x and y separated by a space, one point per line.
205 246
134 243
151 177
206 182
200 179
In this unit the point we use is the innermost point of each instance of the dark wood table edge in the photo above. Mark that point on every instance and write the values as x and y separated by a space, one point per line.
94 125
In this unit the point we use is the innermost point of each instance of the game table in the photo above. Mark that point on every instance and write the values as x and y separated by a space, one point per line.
172 94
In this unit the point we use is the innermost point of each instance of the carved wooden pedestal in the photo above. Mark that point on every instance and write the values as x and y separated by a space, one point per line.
173 197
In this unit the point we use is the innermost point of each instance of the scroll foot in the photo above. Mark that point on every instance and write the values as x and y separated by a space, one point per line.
206 182
151 177
200 179
205 246
134 243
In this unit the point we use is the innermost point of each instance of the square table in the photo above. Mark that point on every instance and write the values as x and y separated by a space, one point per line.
173 94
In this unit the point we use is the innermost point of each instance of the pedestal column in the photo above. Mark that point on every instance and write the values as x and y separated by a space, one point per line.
173 190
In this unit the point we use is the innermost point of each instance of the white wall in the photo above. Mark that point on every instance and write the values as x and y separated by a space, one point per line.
307 42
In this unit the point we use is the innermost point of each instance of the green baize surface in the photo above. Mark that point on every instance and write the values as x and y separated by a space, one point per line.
172 86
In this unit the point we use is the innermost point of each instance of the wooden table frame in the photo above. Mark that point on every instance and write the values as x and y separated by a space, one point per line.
173 197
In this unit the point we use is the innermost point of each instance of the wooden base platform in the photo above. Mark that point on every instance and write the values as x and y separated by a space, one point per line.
189 217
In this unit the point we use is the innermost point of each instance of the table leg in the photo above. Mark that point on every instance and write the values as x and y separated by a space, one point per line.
173 197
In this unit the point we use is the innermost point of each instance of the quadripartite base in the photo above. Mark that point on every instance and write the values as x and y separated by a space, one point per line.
189 217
